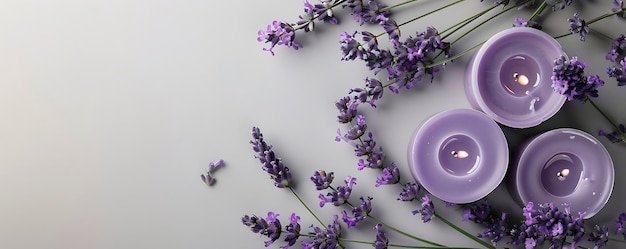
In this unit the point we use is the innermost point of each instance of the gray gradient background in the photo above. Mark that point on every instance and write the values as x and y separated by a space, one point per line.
111 110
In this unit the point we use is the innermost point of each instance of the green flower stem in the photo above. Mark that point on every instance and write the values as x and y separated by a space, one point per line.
592 21
389 245
396 5
306 206
601 34
617 240
317 16
460 230
487 20
404 233
465 22
466 33
430 12
615 126
456 56
538 11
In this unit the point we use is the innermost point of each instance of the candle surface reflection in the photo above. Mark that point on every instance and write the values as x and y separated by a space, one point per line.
561 174
459 155
519 75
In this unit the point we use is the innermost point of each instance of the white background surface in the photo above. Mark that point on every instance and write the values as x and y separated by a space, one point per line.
112 109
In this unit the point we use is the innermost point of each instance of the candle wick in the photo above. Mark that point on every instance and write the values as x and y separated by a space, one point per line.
562 174
460 154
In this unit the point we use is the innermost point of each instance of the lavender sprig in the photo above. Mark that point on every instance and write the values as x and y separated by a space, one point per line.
578 26
270 163
274 167
269 227
208 178
619 73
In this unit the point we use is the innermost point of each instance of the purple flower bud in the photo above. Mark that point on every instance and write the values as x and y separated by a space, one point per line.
428 209
578 26
322 180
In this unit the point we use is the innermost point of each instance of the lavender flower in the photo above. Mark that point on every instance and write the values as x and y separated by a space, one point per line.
325 12
599 236
374 161
322 180
367 147
269 226
619 73
614 136
325 238
619 6
618 46
357 130
308 19
480 213
548 223
578 26
391 175
347 109
271 164
373 91
208 178
621 225
559 4
496 230
340 196
366 12
428 209
412 58
568 79
359 212
293 231
278 33
390 26
350 47
381 241
477 212
409 192
523 22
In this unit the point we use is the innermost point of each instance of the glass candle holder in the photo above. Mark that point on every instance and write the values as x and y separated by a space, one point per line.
459 156
564 166
508 78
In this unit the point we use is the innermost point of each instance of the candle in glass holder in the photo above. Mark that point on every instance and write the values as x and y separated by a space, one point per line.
508 78
459 156
565 166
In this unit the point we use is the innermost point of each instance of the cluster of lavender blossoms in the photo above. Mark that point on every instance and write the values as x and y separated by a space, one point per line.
618 49
406 63
543 223
568 78
280 33
272 228
480 212
270 163
578 26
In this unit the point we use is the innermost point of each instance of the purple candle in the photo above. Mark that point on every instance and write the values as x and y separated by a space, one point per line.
565 166
459 155
508 78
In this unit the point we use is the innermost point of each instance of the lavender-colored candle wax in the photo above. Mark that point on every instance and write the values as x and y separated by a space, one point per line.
508 78
459 155
565 166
